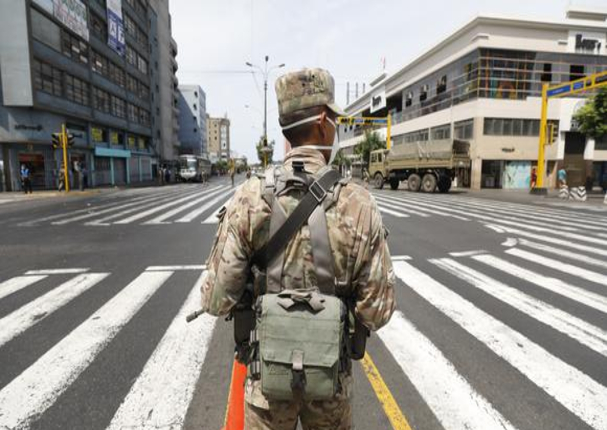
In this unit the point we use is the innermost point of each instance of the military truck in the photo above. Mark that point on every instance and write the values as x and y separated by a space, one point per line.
425 165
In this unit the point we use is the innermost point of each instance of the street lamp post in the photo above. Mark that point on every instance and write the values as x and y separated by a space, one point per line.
265 72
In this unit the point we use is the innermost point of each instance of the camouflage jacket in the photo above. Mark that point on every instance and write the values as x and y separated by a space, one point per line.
363 267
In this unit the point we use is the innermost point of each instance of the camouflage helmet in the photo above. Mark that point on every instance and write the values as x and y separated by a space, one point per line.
304 89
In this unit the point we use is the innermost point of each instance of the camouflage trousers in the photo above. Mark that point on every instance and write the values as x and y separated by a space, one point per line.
334 414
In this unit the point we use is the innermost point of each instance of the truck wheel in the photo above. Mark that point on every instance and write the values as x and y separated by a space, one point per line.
394 183
429 183
414 182
444 184
378 181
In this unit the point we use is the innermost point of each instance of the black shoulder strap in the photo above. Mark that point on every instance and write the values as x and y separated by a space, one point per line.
317 192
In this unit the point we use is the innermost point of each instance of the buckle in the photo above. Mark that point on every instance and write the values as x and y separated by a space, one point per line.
317 191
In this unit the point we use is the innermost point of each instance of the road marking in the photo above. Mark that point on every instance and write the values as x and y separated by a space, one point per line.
26 316
156 209
160 219
175 268
391 408
585 333
387 203
549 239
467 253
57 271
510 242
162 393
580 295
213 218
391 212
401 258
564 253
38 387
409 204
495 228
450 397
569 386
18 283
196 213
569 269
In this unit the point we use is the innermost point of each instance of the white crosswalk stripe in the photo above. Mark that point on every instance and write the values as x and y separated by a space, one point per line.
150 207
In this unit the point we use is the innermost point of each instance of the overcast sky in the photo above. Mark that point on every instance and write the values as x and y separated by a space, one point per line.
347 37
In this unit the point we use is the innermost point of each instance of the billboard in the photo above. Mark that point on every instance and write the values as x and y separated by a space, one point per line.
115 26
71 13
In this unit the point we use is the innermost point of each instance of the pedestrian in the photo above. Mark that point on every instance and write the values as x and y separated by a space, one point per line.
562 177
365 178
26 180
61 183
533 177
232 174
308 269
167 175
85 176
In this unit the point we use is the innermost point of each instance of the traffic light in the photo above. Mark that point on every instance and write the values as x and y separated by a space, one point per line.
553 133
56 140
70 140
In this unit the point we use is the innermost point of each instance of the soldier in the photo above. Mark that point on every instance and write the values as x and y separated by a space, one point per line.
359 252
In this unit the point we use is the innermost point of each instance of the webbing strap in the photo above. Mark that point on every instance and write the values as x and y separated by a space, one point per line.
277 242
321 251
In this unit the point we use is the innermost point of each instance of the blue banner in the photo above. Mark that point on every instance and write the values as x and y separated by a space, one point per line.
115 26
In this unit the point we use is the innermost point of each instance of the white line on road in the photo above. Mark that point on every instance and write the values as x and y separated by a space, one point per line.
26 316
510 242
454 402
161 219
585 333
57 271
175 268
385 210
401 258
38 387
18 283
196 213
213 218
162 393
564 253
580 295
467 253
412 205
569 386
387 203
560 266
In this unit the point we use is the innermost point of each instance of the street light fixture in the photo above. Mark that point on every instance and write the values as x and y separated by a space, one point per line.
265 72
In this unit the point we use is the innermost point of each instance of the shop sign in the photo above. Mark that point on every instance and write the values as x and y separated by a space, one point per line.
72 14
378 100
508 150
585 42
115 26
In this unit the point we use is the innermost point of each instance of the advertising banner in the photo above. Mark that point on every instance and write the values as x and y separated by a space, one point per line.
72 14
47 5
115 26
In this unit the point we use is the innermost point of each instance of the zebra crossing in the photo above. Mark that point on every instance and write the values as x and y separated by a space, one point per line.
525 307
185 203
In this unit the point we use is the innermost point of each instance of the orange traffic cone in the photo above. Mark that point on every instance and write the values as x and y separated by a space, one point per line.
235 412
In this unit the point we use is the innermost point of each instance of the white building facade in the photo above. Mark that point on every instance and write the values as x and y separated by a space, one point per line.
483 84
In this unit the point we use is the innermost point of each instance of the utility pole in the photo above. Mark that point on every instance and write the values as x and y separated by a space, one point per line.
265 72
66 177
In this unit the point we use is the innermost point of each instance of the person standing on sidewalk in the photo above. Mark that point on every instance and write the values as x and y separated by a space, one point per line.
26 181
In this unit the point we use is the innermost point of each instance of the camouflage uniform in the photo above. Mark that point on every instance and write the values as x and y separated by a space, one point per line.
363 270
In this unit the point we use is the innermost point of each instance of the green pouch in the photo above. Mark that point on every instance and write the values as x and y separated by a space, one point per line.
300 336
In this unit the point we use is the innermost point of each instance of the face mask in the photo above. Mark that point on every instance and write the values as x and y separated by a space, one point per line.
334 148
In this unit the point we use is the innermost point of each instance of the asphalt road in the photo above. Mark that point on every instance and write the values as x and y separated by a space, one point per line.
501 319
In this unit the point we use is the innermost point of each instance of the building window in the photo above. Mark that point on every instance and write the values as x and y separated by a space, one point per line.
98 26
576 71
99 64
144 117
547 75
441 85
117 75
441 132
98 134
464 130
514 127
45 31
142 65
423 94
118 107
600 143
409 99
194 106
129 25
47 78
101 100
131 84
133 113
131 56
144 91
76 90
74 48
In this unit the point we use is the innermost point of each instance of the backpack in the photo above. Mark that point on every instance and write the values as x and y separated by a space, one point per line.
299 344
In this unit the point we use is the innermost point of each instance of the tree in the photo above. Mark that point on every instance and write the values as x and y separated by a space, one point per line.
371 142
261 154
592 117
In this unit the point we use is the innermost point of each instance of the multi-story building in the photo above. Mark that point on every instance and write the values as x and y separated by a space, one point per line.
483 84
218 138
192 120
92 66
